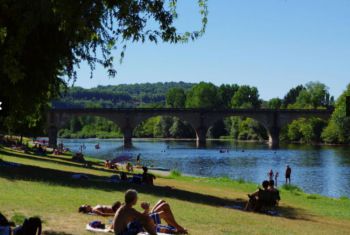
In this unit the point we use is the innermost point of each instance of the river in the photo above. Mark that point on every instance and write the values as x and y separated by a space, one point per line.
316 169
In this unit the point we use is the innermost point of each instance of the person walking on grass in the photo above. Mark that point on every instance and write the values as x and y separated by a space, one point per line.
288 174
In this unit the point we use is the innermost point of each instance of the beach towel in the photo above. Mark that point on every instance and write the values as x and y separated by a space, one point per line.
80 176
97 230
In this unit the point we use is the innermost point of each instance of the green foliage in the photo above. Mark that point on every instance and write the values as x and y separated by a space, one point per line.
120 96
180 129
293 189
292 95
18 218
306 130
37 54
312 196
246 97
203 95
338 130
175 173
146 129
90 127
315 95
226 93
274 103
176 98
247 129
162 128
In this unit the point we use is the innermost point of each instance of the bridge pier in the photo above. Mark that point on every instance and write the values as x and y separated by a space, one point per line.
52 134
127 137
201 134
274 137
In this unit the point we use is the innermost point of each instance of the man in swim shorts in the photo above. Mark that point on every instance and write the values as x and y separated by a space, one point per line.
129 221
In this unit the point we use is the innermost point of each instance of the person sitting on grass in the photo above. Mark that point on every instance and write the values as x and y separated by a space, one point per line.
100 210
127 220
275 193
258 198
147 178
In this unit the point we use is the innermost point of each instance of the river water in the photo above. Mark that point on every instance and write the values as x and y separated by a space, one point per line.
316 169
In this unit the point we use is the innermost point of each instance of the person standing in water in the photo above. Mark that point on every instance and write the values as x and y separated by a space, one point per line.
276 177
270 174
138 158
288 174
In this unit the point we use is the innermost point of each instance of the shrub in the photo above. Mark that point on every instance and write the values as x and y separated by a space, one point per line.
175 173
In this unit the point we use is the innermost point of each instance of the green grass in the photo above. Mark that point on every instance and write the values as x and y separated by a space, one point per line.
42 186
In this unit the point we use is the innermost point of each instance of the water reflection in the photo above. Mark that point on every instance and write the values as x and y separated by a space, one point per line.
316 169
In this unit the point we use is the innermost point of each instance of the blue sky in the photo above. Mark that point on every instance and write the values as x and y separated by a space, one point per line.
271 44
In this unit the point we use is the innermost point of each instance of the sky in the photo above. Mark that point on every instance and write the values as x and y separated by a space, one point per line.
273 45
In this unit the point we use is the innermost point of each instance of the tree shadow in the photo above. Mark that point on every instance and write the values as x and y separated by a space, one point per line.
54 159
55 233
64 178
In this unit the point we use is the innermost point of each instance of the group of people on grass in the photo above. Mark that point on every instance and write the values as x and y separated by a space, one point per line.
127 220
264 198
274 176
144 178
268 196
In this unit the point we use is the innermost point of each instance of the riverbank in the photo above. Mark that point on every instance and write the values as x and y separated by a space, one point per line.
42 186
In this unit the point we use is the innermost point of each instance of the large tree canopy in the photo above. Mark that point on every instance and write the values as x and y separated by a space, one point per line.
43 41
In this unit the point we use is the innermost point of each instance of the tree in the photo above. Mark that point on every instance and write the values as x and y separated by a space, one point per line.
42 42
203 95
226 92
161 129
176 98
338 129
181 129
291 96
246 97
274 103
315 95
217 130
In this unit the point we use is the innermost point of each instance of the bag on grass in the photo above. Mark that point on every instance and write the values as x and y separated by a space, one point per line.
5 228
31 226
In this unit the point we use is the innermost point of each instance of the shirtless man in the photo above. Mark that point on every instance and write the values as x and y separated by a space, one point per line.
100 210
129 221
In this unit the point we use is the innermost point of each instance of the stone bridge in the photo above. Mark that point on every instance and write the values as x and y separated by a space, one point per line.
200 119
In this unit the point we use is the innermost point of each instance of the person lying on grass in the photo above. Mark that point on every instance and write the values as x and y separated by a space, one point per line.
127 220
100 210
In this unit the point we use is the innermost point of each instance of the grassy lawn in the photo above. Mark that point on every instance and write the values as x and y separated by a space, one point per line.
43 186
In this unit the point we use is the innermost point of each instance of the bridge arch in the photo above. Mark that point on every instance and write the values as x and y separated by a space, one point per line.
59 122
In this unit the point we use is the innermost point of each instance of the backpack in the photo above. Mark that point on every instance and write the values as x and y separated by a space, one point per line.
3 220
31 226
5 228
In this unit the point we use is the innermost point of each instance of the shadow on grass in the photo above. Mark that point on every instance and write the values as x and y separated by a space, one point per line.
64 178
52 159
55 233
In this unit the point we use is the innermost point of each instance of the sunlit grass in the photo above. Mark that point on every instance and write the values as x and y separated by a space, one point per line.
43 187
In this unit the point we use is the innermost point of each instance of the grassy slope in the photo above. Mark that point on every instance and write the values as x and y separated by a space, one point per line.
42 186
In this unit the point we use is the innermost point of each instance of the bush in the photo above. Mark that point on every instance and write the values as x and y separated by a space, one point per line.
18 218
175 173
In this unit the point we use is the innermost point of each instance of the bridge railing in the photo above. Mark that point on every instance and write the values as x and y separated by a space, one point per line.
325 110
